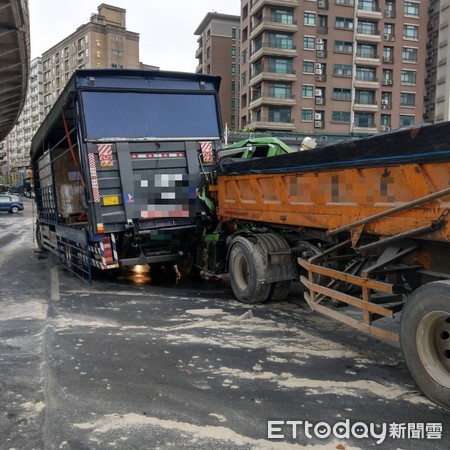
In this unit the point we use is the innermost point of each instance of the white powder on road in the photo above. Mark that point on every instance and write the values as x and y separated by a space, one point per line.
113 422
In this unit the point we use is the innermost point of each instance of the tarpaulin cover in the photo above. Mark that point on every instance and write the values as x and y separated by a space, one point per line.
417 144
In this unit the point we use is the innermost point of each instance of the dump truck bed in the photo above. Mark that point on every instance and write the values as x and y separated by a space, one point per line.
385 185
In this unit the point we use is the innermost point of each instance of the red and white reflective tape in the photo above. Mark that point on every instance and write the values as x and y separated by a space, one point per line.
94 179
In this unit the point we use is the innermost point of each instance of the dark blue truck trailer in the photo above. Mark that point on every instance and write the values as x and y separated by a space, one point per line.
117 163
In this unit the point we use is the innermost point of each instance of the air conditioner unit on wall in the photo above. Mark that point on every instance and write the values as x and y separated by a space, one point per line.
320 54
318 124
318 92
318 116
319 41
318 71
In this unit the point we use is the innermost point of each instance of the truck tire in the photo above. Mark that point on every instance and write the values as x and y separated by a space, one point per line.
246 269
39 237
425 340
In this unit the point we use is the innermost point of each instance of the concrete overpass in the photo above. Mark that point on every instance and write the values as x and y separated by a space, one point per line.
14 61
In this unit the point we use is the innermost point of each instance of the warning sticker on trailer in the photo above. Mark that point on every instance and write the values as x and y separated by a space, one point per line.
110 200
105 155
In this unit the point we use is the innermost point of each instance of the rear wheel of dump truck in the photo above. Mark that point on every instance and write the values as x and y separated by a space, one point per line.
425 340
246 269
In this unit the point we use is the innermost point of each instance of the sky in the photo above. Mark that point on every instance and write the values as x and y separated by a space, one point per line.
166 27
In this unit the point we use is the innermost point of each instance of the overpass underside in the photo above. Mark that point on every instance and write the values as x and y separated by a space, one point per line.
14 61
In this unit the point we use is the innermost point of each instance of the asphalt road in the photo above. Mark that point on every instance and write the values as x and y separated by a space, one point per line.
134 363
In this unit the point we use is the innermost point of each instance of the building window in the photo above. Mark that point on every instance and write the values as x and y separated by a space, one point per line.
343 47
233 51
406 121
340 116
408 77
366 74
407 99
411 9
344 22
307 115
364 120
365 97
233 33
366 27
409 55
244 79
244 56
280 65
233 103
342 70
309 18
411 32
366 51
233 86
280 40
308 66
233 68
116 52
279 114
308 43
368 5
342 94
281 16
280 90
307 91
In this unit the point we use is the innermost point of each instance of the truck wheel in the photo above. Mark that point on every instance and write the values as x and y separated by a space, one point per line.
425 340
279 290
246 269
39 237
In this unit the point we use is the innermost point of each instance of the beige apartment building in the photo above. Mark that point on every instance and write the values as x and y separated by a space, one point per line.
16 147
103 42
218 54
334 66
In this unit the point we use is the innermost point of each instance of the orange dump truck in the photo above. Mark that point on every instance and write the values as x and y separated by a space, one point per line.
363 224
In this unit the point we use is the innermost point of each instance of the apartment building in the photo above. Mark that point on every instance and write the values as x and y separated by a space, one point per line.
218 54
103 42
335 66
437 82
17 144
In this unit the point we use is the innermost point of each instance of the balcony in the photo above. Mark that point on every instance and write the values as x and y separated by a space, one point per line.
372 14
266 73
266 98
365 107
369 129
256 5
265 124
322 29
199 52
267 23
267 48
366 37
367 60
366 83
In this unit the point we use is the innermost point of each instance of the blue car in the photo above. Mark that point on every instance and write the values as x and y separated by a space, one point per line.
10 203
